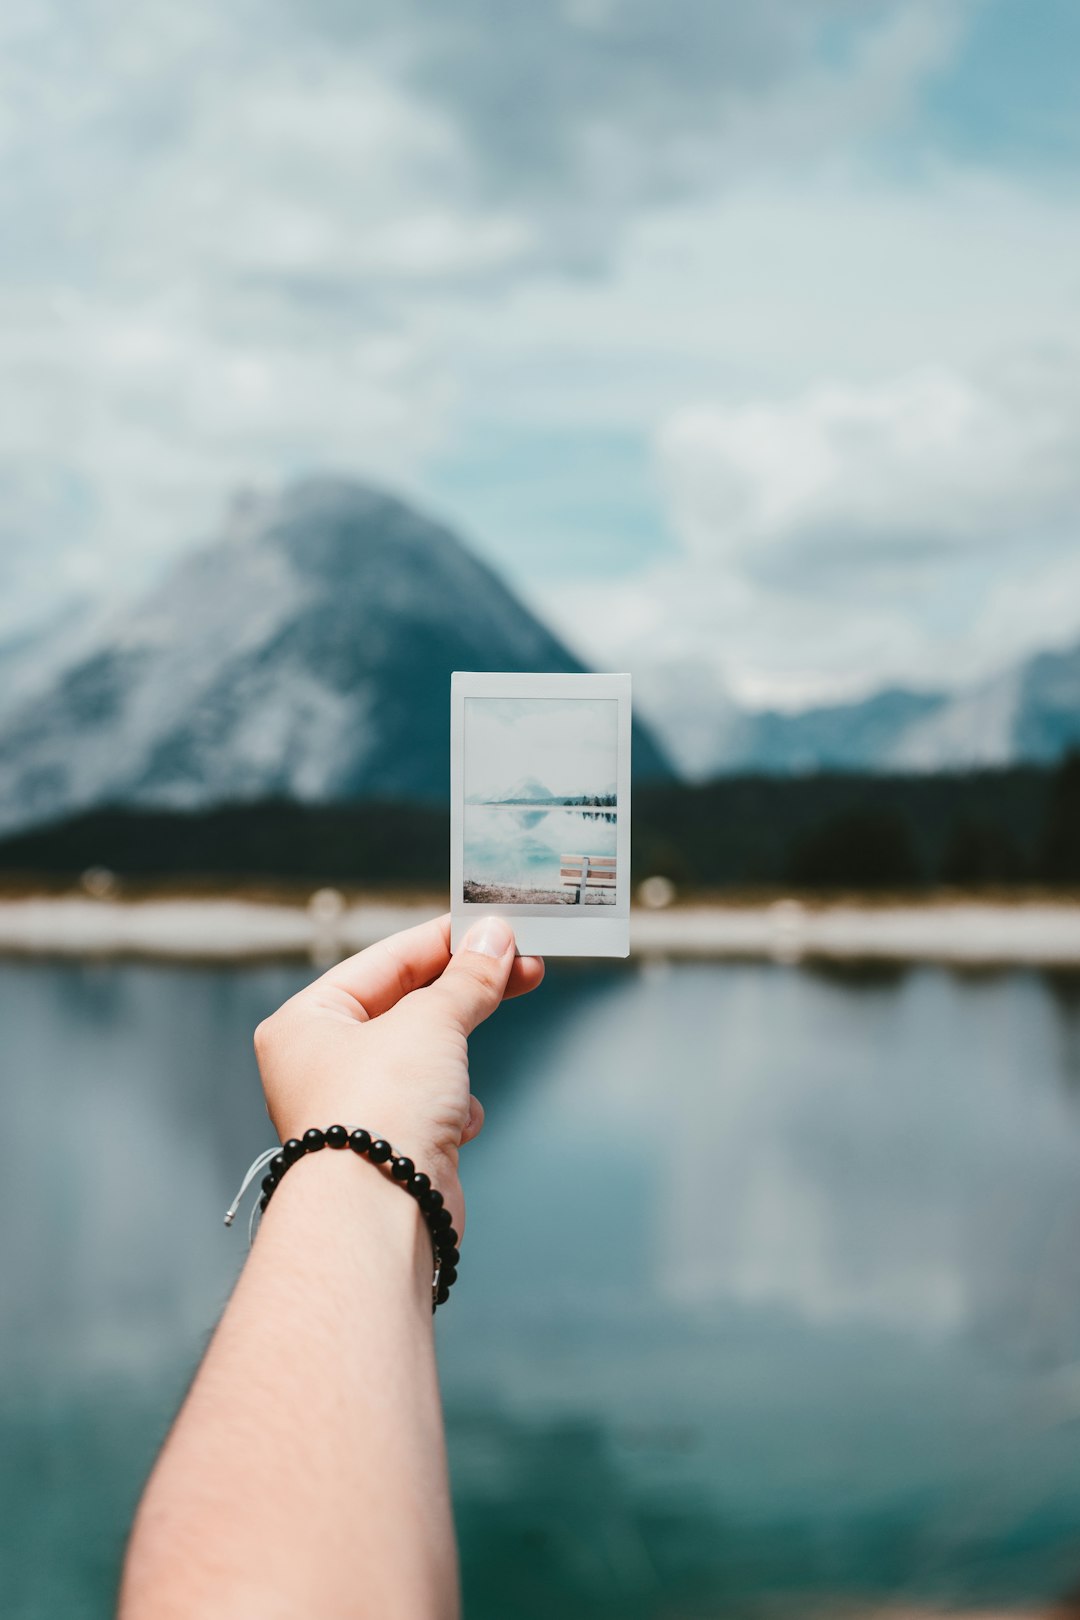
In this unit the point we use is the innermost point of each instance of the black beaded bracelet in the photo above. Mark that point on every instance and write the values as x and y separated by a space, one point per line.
275 1162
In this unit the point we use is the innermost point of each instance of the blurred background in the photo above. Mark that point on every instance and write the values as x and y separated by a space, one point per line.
346 345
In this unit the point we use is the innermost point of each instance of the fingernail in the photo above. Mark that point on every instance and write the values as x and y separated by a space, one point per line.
490 937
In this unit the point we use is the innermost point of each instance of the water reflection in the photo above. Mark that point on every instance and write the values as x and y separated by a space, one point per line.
772 1282
1065 989
890 1157
523 848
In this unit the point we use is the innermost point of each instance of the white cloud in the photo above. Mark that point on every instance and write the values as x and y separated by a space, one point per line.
195 358
920 462
920 528
243 241
569 745
776 284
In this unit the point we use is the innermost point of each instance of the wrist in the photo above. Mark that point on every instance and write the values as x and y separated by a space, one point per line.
352 1210
406 1133
395 1170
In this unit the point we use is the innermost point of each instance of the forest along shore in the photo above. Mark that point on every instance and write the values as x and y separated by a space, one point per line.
1038 932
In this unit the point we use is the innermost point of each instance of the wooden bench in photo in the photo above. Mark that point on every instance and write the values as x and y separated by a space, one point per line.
583 872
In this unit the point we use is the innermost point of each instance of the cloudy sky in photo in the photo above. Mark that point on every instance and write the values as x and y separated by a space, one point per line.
765 316
568 745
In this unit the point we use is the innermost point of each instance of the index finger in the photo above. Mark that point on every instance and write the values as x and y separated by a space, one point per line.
378 977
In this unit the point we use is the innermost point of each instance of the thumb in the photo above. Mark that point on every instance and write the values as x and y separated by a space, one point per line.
473 982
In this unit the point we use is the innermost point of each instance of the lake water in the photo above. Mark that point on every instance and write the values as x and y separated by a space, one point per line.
770 1296
522 847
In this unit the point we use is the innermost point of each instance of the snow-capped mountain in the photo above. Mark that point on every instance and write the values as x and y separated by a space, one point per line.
1030 714
306 654
528 789
30 658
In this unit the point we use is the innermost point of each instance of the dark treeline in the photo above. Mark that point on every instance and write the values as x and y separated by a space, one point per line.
982 828
579 799
380 844
971 829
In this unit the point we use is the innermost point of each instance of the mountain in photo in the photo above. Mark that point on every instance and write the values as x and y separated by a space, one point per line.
305 654
529 790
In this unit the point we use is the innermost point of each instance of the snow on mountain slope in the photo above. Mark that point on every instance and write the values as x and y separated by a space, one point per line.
977 727
31 660
1030 713
1048 717
527 788
305 655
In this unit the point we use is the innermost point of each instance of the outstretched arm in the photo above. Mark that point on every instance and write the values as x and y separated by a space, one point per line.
306 1472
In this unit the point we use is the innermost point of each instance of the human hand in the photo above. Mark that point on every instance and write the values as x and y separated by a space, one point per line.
381 1041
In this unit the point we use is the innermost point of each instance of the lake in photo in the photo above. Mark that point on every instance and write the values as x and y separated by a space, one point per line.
769 1300
518 850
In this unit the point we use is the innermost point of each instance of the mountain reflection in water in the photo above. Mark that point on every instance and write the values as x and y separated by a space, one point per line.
522 847
769 1300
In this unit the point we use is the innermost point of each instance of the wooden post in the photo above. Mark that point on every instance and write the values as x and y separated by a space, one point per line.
584 879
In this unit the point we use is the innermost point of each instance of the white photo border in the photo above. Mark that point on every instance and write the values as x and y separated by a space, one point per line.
556 930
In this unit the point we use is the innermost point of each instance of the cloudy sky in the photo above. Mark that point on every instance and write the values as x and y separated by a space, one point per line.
767 316
569 745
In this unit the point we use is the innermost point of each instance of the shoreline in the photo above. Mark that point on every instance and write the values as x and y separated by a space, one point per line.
506 894
1039 932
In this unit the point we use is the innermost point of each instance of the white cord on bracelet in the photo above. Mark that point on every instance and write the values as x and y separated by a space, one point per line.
257 1166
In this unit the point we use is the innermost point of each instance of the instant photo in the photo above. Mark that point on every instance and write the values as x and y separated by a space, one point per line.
540 809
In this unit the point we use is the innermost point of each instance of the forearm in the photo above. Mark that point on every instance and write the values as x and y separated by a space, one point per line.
306 1473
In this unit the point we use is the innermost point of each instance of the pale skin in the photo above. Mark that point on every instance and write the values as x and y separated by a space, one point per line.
306 1472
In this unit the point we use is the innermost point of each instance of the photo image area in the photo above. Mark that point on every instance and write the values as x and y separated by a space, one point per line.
540 814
